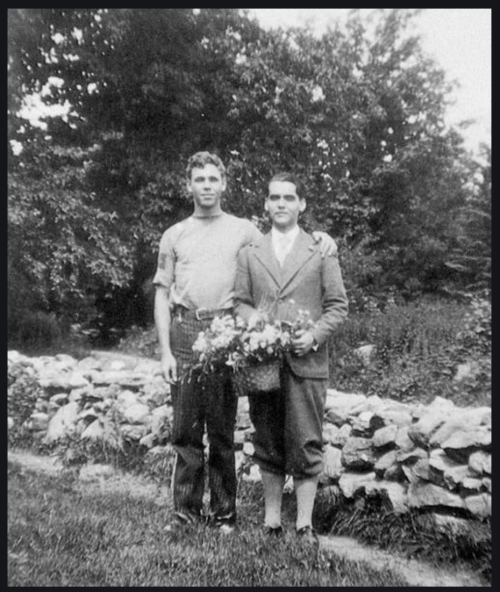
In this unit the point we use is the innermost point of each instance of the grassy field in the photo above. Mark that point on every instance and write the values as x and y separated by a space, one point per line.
59 536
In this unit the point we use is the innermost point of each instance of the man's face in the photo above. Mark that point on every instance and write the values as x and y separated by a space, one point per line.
284 205
206 186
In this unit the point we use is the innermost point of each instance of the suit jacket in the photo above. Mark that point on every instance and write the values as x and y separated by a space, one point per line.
312 282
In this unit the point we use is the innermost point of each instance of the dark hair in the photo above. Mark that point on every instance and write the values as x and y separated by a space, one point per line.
200 159
290 178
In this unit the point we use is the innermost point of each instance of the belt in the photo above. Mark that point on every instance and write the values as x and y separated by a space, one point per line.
201 314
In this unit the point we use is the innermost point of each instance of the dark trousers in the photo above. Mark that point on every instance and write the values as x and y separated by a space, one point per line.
288 425
209 403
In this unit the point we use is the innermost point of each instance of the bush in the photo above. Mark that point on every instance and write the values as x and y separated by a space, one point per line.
22 393
418 348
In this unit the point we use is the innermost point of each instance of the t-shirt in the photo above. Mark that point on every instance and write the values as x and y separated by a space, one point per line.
197 259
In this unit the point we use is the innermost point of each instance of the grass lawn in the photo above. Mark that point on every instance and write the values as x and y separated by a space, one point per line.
59 535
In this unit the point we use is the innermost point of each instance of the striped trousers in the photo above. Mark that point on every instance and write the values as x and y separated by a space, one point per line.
198 405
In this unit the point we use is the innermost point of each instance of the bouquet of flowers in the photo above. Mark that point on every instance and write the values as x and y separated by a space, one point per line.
253 353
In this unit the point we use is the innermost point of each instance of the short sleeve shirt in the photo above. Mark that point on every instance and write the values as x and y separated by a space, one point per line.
197 259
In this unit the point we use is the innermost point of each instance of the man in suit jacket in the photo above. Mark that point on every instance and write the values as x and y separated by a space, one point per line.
288 422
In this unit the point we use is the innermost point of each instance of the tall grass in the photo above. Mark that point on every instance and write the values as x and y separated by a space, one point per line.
418 348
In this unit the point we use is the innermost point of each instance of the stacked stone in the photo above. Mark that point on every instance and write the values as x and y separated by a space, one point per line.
435 456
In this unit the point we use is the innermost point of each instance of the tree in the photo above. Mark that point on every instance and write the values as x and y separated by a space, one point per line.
470 256
357 113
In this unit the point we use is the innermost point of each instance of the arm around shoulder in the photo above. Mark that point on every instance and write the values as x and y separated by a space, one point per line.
243 301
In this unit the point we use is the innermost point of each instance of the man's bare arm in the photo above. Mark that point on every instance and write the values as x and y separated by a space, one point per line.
162 321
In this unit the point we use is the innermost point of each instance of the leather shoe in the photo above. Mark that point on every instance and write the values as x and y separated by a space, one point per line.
308 535
186 517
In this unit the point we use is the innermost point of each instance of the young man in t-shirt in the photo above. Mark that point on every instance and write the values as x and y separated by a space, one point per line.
194 283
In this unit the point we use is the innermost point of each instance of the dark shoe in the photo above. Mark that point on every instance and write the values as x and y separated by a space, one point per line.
308 535
274 531
186 517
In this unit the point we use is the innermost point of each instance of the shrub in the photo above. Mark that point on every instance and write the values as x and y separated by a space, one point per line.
22 393
417 352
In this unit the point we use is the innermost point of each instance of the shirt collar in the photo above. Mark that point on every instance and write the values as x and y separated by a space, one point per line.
291 234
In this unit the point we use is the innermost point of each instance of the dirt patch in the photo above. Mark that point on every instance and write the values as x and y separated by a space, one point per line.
102 478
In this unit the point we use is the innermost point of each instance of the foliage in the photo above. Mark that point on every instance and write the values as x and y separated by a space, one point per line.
358 114
63 248
418 349
23 391
476 331
471 252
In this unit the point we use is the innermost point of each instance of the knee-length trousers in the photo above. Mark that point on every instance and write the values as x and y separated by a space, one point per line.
288 425
209 403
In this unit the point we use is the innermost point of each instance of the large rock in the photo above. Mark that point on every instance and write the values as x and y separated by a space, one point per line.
428 495
412 456
403 441
357 453
126 399
393 492
62 381
479 505
88 363
480 462
419 471
385 436
462 420
63 423
330 432
460 445
156 391
373 403
385 463
126 379
366 423
332 460
341 436
351 483
136 414
422 431
338 406
94 431
66 361
446 471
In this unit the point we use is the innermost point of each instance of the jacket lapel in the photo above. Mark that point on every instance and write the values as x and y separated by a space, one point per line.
302 250
265 254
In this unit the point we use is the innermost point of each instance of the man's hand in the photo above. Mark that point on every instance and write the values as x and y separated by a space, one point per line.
303 343
327 246
169 368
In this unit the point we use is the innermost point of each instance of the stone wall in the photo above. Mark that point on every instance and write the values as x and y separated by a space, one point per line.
435 457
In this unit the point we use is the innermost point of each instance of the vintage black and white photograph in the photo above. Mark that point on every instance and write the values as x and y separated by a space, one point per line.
249 297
